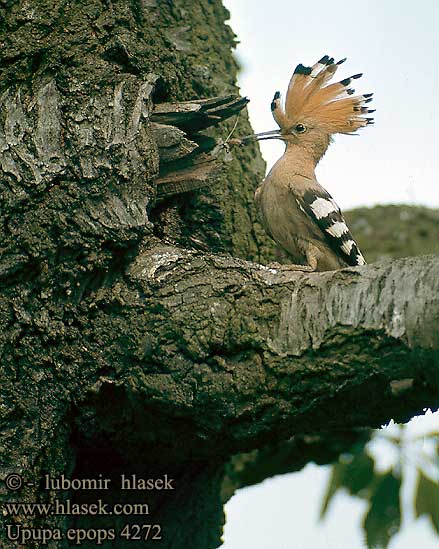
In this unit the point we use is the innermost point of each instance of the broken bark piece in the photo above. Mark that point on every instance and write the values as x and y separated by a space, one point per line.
171 142
188 179
198 114
190 164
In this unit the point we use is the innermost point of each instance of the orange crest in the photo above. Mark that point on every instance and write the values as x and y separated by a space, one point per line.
311 98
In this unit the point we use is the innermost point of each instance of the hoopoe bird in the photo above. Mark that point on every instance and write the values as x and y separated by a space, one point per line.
296 211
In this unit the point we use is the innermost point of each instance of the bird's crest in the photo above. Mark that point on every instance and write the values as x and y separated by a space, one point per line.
310 97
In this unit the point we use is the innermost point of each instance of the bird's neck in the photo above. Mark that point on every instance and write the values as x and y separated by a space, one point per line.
301 160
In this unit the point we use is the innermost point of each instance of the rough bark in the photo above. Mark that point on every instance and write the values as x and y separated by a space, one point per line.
273 350
124 349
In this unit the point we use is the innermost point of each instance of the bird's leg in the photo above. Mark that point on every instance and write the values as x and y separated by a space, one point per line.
311 257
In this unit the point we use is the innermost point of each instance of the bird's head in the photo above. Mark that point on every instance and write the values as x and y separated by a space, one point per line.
314 109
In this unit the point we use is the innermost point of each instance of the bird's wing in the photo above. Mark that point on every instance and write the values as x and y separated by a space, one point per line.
319 205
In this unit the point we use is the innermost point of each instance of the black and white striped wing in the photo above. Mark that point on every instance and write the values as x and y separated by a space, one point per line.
323 210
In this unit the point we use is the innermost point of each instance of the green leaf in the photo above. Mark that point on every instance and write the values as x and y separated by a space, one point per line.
427 499
359 473
335 483
383 518
355 476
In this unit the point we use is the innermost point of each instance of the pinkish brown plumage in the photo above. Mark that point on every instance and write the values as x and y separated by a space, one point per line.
295 209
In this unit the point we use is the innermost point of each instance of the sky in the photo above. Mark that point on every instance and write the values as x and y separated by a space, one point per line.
395 45
282 512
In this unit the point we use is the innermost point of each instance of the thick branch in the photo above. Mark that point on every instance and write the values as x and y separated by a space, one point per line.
250 355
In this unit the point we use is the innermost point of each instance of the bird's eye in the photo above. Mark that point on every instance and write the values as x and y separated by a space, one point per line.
300 128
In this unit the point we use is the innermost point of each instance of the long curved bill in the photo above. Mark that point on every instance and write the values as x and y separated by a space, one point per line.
273 134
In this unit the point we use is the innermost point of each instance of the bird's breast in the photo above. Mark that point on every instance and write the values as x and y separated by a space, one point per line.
281 217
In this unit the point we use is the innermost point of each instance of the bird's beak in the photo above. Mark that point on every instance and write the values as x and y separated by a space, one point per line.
273 134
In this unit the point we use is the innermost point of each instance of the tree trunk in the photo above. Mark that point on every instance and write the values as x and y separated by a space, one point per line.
133 343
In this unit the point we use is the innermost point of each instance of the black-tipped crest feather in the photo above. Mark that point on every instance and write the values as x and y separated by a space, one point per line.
312 97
